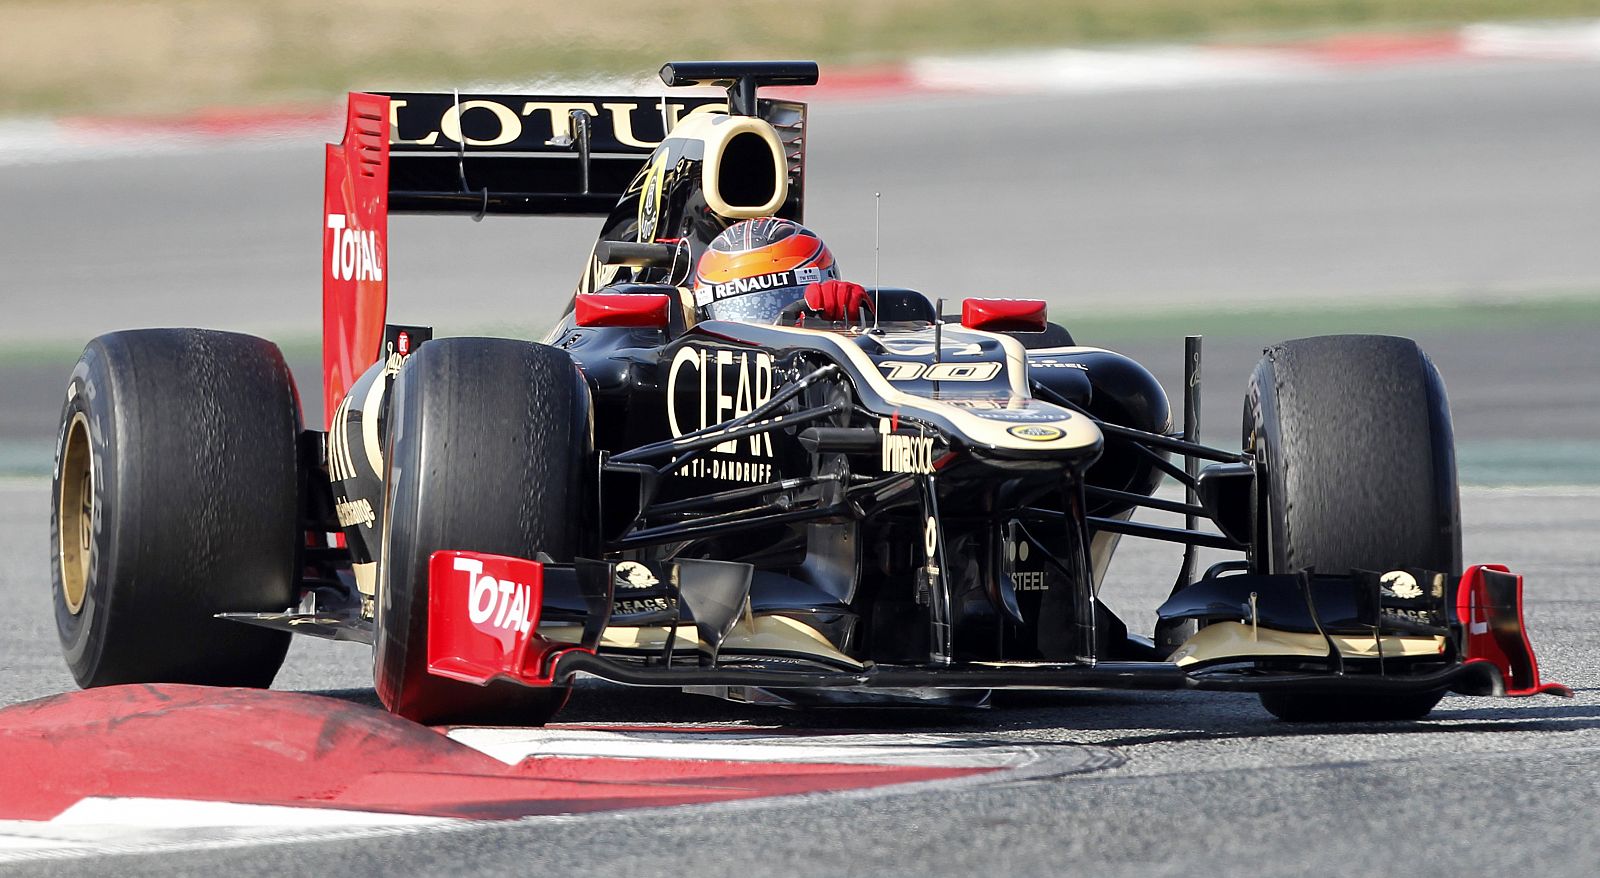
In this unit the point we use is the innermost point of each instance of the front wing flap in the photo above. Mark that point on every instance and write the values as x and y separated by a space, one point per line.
1395 620
485 610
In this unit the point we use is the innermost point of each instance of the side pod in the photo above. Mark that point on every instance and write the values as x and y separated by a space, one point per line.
1489 608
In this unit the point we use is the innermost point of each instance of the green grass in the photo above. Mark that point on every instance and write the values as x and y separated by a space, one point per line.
1480 463
1565 311
1558 311
169 55
1531 462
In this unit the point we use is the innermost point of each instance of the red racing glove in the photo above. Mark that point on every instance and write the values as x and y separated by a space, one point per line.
838 299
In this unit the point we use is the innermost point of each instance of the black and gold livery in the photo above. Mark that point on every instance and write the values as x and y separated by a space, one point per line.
820 512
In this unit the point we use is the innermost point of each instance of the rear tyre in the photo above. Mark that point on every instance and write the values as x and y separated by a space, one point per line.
1356 459
175 497
489 443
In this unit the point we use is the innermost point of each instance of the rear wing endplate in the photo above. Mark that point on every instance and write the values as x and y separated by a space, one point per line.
479 154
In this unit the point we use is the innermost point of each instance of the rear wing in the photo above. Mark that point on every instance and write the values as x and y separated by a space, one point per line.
477 154
518 154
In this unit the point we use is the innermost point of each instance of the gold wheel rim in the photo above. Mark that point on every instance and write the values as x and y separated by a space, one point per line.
75 505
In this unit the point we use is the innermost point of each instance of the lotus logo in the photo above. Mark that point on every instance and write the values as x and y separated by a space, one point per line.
1399 584
1036 432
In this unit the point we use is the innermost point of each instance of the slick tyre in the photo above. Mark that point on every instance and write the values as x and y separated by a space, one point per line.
175 497
1356 467
489 444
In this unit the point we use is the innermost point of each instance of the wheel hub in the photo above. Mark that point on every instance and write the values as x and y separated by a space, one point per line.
75 507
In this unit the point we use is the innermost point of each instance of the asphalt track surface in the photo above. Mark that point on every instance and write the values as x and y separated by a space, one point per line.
1456 182
1206 782
1460 181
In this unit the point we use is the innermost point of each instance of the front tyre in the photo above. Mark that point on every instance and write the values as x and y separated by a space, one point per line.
489 444
1356 462
175 497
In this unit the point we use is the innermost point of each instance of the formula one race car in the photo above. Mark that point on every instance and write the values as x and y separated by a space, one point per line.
903 509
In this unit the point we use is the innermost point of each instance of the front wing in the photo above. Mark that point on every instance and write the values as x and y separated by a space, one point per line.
484 625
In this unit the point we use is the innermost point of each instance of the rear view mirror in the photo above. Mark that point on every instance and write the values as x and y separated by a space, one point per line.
623 309
1004 315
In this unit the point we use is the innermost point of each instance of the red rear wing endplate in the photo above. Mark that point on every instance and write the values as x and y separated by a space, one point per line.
473 155
355 248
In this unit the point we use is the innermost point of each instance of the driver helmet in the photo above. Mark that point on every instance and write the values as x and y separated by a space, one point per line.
757 267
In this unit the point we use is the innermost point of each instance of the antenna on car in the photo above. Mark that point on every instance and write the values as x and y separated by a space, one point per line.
461 161
877 261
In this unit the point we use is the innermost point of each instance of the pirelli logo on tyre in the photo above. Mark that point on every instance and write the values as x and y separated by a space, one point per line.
1036 432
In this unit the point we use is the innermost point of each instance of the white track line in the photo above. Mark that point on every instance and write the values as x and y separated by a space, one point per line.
30 141
102 826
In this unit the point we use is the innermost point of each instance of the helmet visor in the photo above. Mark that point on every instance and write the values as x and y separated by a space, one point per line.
758 299
757 307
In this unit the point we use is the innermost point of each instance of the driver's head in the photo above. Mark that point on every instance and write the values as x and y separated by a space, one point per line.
756 267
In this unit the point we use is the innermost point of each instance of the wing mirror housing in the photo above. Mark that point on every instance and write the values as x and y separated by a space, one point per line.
1003 315
640 310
